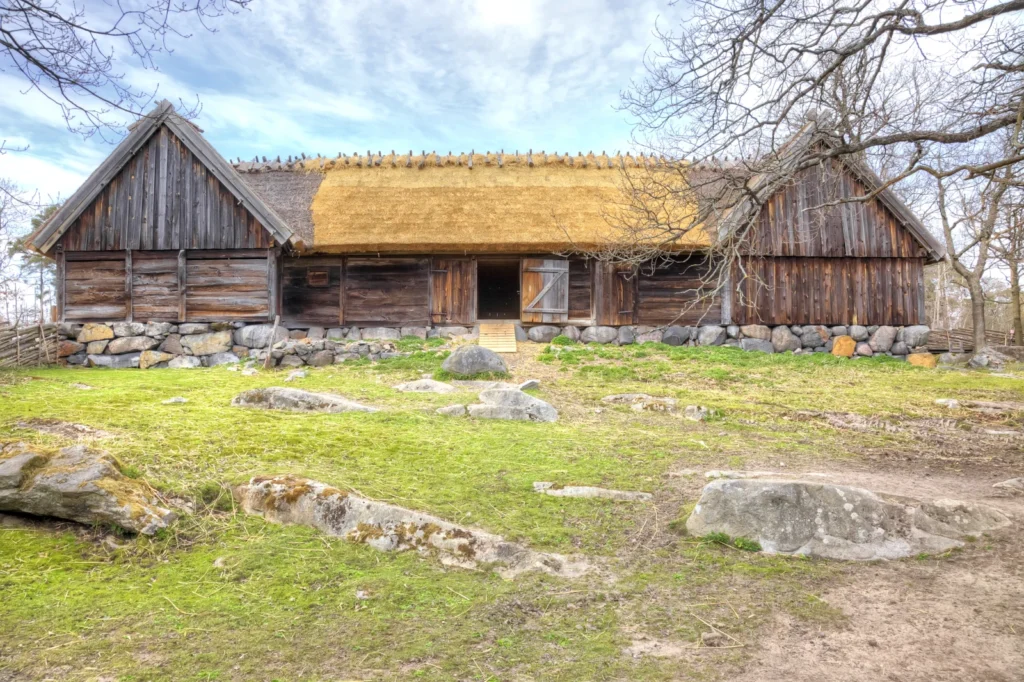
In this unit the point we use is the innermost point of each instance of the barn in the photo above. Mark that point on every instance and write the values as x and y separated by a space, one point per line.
167 230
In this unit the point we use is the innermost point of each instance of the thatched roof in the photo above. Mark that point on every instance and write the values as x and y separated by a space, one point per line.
494 202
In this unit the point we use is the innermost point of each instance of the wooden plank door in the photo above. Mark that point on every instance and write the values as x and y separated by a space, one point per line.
453 291
545 290
615 294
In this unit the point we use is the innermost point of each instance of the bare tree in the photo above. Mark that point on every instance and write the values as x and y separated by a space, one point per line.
913 89
69 52
1008 250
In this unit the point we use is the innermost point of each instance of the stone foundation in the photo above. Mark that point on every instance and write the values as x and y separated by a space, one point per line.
191 344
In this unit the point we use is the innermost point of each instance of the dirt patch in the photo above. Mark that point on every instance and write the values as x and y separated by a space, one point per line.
56 427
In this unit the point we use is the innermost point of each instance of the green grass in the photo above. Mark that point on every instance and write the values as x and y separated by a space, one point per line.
228 597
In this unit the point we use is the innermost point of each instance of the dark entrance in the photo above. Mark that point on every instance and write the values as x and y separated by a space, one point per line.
497 289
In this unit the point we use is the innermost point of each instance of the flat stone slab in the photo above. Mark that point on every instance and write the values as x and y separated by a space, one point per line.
425 386
476 385
835 521
296 400
56 427
504 403
641 402
78 484
390 528
587 491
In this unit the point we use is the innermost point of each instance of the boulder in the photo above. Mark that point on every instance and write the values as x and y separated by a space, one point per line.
320 358
916 335
511 403
316 333
733 331
78 484
844 346
389 528
590 492
814 336
923 360
225 358
297 334
864 350
158 328
66 348
128 329
1014 485
452 411
208 343
835 522
471 360
172 345
696 413
676 335
840 330
187 328
94 332
296 400
711 335
756 331
125 361
335 334
571 332
296 374
529 385
418 332
858 332
784 340
644 334
759 345
96 347
449 332
899 348
543 333
425 386
384 333
149 358
259 335
625 336
184 362
882 339
76 359
599 335
521 333
131 344
291 361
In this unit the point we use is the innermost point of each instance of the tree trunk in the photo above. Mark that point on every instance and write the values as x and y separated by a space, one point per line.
1018 324
977 313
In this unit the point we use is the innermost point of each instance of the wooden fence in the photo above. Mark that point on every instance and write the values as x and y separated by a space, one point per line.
28 346
962 340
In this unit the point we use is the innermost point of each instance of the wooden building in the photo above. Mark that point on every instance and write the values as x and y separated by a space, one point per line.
167 230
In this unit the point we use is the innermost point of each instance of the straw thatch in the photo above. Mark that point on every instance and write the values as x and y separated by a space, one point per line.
433 203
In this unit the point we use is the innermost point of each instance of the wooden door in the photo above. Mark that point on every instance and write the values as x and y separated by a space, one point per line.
615 287
545 290
453 291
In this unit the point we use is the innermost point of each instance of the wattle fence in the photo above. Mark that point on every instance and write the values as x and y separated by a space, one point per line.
962 340
28 346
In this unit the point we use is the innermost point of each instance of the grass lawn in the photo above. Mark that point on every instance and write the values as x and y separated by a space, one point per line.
223 596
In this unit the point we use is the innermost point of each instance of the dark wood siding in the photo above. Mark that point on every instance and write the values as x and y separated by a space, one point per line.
830 291
164 198
614 294
154 293
790 224
453 291
227 285
581 287
95 287
311 291
387 291
674 293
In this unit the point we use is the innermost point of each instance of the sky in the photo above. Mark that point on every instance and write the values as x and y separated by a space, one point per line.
327 76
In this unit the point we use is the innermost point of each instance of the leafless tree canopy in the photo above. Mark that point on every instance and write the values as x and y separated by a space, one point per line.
69 51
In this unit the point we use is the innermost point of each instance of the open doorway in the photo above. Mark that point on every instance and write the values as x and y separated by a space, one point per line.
497 283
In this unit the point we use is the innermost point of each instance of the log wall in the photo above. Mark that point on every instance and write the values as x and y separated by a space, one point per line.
679 293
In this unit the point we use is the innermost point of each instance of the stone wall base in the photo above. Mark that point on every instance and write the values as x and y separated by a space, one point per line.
189 344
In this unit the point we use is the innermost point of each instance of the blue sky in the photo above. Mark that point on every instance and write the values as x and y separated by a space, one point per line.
328 77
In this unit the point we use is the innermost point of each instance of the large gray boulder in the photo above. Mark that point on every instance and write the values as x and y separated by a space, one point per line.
676 335
711 335
882 339
80 485
569 332
425 386
128 328
226 358
599 335
470 360
834 521
759 345
131 344
184 362
187 328
916 335
626 336
859 332
159 328
449 332
511 403
381 333
646 334
814 336
123 361
784 340
543 333
208 343
295 400
259 335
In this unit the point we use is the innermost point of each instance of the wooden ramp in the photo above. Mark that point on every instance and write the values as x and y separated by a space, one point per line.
501 338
